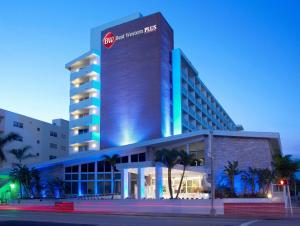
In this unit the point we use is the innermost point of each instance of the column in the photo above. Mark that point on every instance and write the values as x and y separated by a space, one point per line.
96 178
124 183
141 183
79 181
158 182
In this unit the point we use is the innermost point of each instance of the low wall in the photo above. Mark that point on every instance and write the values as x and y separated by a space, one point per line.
151 206
254 207
134 206
241 207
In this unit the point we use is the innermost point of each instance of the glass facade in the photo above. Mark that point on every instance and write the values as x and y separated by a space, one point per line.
96 177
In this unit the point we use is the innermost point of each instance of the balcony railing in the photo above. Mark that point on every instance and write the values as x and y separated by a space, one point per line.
88 103
85 137
90 70
86 87
85 121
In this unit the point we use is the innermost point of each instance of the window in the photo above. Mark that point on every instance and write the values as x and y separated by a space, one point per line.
38 141
52 157
38 129
37 154
82 131
83 148
84 167
53 134
18 124
20 139
125 159
104 187
141 157
135 158
53 146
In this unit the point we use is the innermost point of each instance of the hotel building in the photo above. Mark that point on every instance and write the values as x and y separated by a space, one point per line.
134 93
137 89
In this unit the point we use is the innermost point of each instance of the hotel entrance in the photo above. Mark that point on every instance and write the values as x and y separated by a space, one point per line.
148 181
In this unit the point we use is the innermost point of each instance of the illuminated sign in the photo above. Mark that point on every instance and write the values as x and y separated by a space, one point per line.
109 38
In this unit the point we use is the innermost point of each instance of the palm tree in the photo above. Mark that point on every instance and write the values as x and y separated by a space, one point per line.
231 170
21 153
169 158
249 177
36 182
113 161
22 174
265 177
186 160
4 140
285 167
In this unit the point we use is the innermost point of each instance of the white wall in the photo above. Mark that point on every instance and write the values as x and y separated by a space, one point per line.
31 136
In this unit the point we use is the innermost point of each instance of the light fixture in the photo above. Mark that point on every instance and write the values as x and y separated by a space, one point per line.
12 185
95 62
75 132
95 77
94 145
76 116
75 148
94 111
76 85
76 101
269 195
94 128
94 95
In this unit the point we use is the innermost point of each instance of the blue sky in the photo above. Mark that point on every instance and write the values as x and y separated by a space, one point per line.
246 52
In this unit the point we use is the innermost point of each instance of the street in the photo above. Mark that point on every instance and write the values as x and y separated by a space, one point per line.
26 218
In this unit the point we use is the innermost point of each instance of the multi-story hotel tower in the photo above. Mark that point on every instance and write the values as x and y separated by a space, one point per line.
133 85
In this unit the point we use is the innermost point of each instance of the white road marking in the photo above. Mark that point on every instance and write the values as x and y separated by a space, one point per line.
248 223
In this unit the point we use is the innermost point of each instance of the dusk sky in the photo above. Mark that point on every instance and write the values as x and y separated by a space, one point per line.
246 52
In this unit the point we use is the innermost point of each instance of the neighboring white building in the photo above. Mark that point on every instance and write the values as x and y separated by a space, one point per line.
47 141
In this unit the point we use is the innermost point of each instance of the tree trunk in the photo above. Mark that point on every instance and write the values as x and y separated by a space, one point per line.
232 185
180 184
170 183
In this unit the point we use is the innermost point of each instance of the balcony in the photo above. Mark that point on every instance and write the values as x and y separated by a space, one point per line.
84 138
86 87
90 70
184 91
85 121
88 103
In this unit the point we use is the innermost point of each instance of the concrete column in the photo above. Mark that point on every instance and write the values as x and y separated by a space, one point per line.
141 183
124 183
158 182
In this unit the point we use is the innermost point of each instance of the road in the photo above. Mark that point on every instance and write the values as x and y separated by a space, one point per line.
26 218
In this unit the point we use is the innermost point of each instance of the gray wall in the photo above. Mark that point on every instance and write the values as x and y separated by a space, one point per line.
135 72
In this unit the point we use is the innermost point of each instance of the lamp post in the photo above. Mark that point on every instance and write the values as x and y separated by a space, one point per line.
212 192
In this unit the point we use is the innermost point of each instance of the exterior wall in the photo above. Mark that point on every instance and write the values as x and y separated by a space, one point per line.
35 133
249 152
252 152
135 83
194 107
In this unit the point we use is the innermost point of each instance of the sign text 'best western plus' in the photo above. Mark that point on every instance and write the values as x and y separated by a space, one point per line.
109 38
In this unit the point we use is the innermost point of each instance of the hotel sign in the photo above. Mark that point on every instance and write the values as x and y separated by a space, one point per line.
109 38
